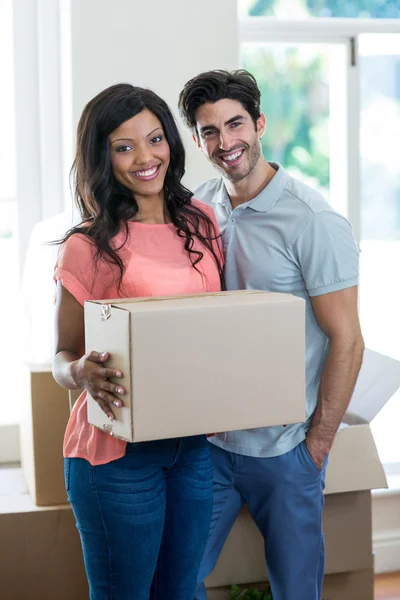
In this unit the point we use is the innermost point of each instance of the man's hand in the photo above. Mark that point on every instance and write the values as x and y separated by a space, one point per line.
318 449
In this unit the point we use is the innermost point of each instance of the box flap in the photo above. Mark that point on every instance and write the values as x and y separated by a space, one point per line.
200 301
230 296
116 301
354 463
378 380
115 328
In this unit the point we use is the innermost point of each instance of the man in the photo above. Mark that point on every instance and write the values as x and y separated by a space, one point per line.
278 235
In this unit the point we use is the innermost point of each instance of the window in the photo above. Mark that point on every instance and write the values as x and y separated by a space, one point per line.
331 94
303 95
294 9
380 214
9 266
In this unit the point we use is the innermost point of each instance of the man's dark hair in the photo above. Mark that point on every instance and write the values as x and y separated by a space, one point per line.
217 85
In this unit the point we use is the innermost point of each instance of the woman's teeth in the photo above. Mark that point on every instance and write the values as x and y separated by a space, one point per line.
147 173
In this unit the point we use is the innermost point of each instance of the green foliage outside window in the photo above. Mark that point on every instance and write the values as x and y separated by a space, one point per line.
295 100
378 9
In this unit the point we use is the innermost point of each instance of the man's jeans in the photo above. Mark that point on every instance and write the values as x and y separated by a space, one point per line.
144 519
284 495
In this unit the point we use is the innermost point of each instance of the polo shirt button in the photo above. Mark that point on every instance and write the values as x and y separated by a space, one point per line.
233 220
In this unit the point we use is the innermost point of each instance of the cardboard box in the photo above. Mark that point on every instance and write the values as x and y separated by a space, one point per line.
41 556
45 413
353 470
200 364
358 585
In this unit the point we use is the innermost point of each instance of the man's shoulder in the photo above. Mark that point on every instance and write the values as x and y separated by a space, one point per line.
307 198
207 190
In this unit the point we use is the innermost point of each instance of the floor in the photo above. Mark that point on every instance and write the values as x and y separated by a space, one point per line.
387 586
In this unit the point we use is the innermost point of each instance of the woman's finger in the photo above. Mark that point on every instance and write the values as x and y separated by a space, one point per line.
109 398
105 373
98 356
105 407
112 387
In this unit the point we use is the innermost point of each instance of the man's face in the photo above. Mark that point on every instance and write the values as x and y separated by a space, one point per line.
229 138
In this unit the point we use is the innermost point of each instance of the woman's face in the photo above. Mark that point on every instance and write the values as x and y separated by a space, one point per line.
140 155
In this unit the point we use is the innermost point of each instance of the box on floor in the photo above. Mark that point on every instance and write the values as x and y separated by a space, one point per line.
45 413
342 586
44 417
40 550
354 469
188 362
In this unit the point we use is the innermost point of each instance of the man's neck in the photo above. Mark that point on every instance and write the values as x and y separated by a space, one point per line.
248 188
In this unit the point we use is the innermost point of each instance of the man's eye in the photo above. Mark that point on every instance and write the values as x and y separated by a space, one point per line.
157 139
208 133
235 124
124 148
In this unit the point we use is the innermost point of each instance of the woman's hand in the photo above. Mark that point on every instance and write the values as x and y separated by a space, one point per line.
88 372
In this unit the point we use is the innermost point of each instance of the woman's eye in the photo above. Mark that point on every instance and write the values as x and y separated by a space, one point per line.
157 139
124 148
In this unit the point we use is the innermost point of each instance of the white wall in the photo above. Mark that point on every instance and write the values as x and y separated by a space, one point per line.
158 44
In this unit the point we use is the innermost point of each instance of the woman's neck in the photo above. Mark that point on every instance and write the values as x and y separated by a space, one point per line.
152 211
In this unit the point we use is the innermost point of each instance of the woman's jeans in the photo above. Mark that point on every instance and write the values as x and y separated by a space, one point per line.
144 519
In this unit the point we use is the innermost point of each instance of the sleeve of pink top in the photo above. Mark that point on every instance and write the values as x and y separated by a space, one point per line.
75 267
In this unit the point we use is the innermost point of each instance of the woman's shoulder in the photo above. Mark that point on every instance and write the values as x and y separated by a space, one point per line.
77 246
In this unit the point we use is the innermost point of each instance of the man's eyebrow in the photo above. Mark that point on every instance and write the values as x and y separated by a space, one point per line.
228 122
237 118
206 128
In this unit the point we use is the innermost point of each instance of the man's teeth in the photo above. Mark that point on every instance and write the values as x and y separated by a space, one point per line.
232 157
146 173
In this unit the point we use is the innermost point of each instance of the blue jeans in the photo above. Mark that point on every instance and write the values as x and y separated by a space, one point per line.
284 495
144 519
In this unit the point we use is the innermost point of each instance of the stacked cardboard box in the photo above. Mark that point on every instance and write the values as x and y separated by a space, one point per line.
41 556
45 413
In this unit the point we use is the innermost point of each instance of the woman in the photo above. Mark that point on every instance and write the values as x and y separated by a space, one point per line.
142 510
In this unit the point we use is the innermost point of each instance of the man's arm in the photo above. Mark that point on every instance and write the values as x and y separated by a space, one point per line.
337 315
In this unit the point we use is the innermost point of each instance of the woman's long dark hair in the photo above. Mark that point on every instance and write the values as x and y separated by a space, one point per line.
104 204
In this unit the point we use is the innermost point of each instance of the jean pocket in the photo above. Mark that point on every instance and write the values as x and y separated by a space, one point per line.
309 458
67 473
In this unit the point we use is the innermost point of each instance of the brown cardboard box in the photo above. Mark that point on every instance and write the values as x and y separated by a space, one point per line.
357 585
41 557
193 361
45 414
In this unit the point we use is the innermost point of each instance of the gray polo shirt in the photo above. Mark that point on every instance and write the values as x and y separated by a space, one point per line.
287 239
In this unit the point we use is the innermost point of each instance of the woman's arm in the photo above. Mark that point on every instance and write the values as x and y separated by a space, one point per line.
70 368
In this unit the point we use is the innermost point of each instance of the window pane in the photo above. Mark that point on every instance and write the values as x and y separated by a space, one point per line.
303 97
7 120
294 9
10 348
380 215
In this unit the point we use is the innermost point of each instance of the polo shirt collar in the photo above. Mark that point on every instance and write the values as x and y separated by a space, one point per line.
265 199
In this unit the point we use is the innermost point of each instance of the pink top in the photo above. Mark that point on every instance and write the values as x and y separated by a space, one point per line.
156 265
